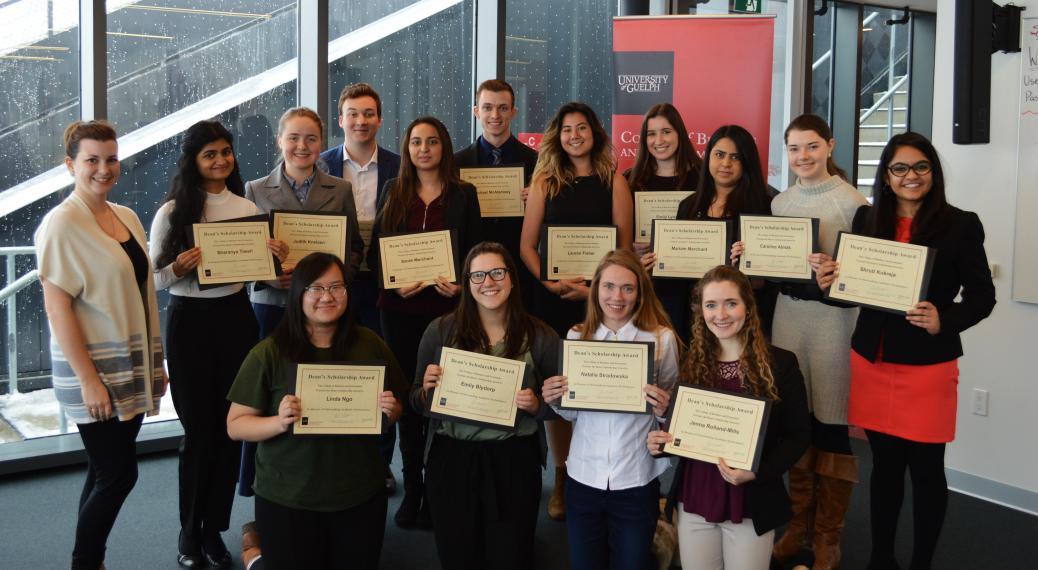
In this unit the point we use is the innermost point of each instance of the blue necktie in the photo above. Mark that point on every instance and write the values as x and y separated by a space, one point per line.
495 156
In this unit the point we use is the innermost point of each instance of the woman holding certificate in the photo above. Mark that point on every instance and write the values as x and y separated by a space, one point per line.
427 196
726 516
574 183
484 483
105 344
666 162
612 488
320 500
904 368
208 333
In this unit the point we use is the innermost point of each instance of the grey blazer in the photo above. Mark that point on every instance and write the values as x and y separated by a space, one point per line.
327 194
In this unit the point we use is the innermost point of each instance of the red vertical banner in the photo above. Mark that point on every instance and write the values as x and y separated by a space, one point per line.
715 70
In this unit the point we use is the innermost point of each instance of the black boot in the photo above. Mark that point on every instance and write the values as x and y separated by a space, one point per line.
407 515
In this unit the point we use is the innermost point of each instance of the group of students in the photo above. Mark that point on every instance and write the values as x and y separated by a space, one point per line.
822 364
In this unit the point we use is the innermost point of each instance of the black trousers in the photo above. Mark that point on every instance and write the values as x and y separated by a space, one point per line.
296 538
207 340
403 333
111 474
484 499
891 456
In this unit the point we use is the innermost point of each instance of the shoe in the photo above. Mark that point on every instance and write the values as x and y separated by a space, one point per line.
215 551
557 502
407 515
189 553
250 545
837 474
424 521
802 496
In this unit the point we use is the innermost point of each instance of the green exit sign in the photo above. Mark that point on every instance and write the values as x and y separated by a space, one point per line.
747 6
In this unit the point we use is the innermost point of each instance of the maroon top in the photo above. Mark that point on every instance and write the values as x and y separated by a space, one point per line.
704 492
421 218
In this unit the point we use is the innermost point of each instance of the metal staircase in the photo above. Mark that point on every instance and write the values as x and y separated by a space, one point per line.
887 117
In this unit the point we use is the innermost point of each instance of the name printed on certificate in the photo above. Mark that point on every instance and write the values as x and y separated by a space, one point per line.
499 189
882 274
307 232
777 247
709 425
477 388
606 376
339 399
654 205
420 257
233 252
574 251
687 249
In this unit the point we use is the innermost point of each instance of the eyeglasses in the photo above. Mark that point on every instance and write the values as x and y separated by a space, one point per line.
496 274
338 291
900 169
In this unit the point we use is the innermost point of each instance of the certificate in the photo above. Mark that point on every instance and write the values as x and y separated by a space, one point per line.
234 251
574 251
649 206
606 376
410 258
499 189
709 425
478 389
339 399
777 247
882 274
687 249
309 232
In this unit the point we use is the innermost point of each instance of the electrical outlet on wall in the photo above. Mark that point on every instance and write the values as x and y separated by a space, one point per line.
980 402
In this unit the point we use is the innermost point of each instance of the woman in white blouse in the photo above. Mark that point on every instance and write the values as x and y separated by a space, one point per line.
612 488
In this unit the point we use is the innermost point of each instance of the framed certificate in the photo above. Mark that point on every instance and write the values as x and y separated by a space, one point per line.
606 376
710 424
477 389
777 247
410 258
882 274
654 205
234 251
339 398
499 189
568 252
687 249
309 232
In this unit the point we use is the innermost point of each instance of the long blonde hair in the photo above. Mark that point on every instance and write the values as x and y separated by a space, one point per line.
554 165
700 365
648 313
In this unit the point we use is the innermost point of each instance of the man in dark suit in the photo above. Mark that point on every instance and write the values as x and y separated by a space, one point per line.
495 109
367 166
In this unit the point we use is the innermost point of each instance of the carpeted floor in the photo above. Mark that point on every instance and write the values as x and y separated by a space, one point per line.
37 522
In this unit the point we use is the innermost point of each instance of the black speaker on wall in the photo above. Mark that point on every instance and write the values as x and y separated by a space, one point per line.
971 96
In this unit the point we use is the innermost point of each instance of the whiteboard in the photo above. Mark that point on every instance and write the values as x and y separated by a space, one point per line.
1025 248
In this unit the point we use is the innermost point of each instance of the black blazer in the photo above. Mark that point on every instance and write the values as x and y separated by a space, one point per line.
388 166
960 265
787 438
469 156
462 218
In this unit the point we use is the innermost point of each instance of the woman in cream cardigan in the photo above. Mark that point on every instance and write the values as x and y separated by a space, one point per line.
105 344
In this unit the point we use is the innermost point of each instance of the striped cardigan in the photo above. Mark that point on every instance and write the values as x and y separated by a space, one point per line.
121 332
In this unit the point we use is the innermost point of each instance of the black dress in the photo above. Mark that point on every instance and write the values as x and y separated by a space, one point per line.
588 200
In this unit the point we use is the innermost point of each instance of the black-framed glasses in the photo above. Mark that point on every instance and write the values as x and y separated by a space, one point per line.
900 169
497 274
337 291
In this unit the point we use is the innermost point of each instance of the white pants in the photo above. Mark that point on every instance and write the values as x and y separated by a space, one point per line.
716 546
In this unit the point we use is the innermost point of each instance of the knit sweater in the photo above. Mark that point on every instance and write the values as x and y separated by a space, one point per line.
819 334
120 331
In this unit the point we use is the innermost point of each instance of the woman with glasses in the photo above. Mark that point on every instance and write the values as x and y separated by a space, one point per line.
320 501
904 368
483 483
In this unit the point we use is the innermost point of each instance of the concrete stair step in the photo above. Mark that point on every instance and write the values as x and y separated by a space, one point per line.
879 117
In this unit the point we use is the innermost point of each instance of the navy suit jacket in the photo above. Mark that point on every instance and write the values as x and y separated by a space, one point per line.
388 166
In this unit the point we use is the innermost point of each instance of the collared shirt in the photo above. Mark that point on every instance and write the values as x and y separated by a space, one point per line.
364 179
608 449
508 151
301 190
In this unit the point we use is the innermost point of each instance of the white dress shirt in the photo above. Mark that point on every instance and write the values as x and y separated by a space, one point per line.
608 449
365 182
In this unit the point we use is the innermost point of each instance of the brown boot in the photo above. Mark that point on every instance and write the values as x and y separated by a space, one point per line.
802 496
557 503
250 544
837 474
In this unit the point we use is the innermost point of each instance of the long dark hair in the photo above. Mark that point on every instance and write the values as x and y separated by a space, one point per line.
290 336
881 218
688 162
555 166
186 188
809 122
751 193
466 329
405 190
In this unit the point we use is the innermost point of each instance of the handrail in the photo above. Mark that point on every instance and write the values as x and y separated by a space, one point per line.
879 102
19 284
10 292
878 78
829 54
